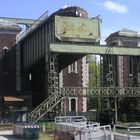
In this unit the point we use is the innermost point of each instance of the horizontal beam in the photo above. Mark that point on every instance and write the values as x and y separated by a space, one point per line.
100 92
27 22
93 49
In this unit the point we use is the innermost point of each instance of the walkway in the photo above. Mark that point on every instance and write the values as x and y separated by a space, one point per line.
8 135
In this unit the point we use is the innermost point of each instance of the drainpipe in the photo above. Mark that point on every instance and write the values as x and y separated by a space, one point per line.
116 110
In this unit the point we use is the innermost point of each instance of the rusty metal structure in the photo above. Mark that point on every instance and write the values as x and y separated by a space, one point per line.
54 42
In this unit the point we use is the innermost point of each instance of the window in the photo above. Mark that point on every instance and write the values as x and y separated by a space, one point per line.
73 68
73 104
130 44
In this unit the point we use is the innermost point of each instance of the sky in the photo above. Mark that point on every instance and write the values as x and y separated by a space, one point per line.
115 14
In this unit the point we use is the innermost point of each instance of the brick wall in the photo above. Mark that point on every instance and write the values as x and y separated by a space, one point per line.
7 62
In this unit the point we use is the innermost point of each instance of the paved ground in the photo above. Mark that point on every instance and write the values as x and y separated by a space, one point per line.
8 135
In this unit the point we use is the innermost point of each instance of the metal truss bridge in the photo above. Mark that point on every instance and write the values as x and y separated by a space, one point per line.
100 92
55 99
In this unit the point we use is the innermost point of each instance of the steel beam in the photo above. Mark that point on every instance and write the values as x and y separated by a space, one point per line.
93 49
100 92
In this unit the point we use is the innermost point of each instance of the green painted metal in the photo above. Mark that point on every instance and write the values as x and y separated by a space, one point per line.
77 29
46 106
92 49
53 100
27 22
100 92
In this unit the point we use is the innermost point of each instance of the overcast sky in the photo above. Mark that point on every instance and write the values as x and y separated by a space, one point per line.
115 14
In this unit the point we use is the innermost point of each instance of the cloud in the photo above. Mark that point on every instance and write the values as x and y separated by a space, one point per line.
114 6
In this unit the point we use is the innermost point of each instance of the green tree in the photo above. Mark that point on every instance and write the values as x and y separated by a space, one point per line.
94 71
94 79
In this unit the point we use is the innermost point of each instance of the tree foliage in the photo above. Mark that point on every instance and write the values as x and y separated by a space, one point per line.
94 79
94 71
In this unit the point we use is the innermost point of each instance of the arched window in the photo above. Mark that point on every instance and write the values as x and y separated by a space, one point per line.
73 104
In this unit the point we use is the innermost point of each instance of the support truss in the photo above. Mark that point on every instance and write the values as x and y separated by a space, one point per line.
46 106
53 75
101 92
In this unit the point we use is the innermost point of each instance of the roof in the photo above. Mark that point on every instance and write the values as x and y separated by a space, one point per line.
9 25
124 33
128 33
12 99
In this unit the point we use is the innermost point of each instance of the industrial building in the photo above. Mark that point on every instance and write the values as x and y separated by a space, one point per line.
12 102
23 83
125 69
48 61
121 71
8 32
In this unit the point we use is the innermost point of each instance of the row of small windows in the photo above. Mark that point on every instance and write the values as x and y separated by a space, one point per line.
73 68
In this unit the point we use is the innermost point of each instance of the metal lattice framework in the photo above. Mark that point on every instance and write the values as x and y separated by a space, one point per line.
47 39
53 100
108 78
101 92
45 107
54 96
53 75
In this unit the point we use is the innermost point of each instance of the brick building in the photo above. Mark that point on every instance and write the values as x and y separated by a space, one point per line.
125 69
11 101
8 32
75 75
122 71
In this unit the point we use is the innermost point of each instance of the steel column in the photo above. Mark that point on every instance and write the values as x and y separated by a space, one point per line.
53 83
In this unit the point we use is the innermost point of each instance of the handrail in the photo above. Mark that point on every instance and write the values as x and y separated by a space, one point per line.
129 131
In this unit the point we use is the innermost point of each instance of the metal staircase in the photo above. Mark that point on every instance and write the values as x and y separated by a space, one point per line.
62 93
45 107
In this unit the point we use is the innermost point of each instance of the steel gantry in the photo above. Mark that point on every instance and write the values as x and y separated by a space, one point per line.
46 48
58 94
71 48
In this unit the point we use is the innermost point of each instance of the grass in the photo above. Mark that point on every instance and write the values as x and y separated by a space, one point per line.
49 125
133 131
129 124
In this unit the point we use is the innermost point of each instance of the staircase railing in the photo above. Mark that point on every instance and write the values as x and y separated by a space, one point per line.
51 102
44 107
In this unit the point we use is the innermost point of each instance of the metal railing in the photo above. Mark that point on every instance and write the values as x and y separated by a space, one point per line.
126 132
44 107
101 92
54 99
87 130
